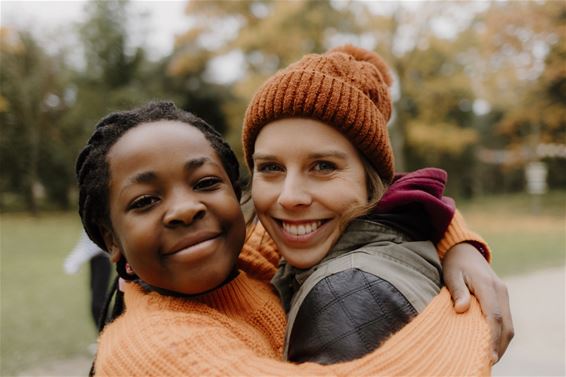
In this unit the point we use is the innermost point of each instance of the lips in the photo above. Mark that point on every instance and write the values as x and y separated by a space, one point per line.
191 240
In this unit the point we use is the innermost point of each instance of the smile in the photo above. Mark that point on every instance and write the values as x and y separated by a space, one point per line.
193 242
301 229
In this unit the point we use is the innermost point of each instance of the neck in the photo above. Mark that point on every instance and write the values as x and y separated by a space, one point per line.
166 292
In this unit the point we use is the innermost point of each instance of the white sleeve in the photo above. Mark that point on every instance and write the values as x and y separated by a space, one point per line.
83 251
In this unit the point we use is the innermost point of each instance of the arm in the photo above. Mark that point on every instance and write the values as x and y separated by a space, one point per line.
458 232
431 345
83 251
467 271
420 194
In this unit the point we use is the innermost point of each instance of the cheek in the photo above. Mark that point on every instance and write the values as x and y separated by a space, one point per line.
235 224
230 213
357 190
360 195
261 194
343 196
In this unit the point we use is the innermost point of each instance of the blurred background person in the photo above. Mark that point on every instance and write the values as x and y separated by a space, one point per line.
99 268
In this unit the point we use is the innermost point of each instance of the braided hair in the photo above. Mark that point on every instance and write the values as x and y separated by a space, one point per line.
92 168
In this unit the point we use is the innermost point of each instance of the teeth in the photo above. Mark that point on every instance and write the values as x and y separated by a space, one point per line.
299 230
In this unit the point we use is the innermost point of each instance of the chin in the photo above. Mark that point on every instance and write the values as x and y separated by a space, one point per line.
302 264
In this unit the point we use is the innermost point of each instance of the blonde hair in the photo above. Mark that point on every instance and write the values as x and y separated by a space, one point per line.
375 191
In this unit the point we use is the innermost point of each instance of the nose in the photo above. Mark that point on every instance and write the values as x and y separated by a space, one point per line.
294 193
183 209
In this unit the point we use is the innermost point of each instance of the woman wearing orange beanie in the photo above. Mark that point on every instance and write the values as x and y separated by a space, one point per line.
315 138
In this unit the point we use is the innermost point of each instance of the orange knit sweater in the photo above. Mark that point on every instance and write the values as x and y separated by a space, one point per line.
237 330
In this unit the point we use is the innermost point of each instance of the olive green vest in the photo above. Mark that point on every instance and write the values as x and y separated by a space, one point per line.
412 267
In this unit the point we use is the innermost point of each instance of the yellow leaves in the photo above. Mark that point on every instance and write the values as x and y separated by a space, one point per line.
189 37
185 62
9 42
442 137
284 24
180 65
4 105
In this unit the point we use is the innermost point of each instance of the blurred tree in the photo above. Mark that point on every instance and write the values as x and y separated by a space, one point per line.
110 75
471 79
440 130
523 47
433 122
32 92
104 35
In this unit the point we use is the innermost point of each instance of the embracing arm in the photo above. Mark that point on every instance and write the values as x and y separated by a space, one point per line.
458 232
457 344
468 271
464 254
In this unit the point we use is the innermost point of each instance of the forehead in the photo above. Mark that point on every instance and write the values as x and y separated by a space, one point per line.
166 134
165 137
297 133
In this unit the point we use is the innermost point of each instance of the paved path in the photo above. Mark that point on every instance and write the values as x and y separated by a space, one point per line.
538 349
75 367
538 308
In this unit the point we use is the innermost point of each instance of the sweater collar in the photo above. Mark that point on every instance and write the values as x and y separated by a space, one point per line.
237 297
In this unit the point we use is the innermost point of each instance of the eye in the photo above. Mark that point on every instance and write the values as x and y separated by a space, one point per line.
207 183
143 202
324 166
268 167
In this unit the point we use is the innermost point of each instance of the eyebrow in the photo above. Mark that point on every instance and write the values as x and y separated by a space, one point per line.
196 163
317 155
151 176
327 154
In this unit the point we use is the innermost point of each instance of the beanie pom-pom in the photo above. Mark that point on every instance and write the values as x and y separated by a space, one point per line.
361 54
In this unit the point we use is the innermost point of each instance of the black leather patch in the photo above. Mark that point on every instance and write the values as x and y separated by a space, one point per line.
345 316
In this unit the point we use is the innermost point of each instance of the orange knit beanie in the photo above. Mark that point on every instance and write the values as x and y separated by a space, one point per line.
347 87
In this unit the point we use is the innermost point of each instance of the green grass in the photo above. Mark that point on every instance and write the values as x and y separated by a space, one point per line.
44 312
521 239
45 316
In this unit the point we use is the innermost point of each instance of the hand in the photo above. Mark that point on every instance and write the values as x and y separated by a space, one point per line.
466 271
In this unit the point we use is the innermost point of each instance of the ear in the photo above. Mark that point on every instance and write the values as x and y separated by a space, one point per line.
112 244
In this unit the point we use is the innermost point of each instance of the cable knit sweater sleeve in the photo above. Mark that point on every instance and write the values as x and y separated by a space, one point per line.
458 232
157 339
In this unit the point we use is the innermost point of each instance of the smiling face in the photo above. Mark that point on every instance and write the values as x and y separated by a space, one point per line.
307 179
173 212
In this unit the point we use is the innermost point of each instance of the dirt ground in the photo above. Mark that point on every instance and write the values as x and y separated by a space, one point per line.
538 349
